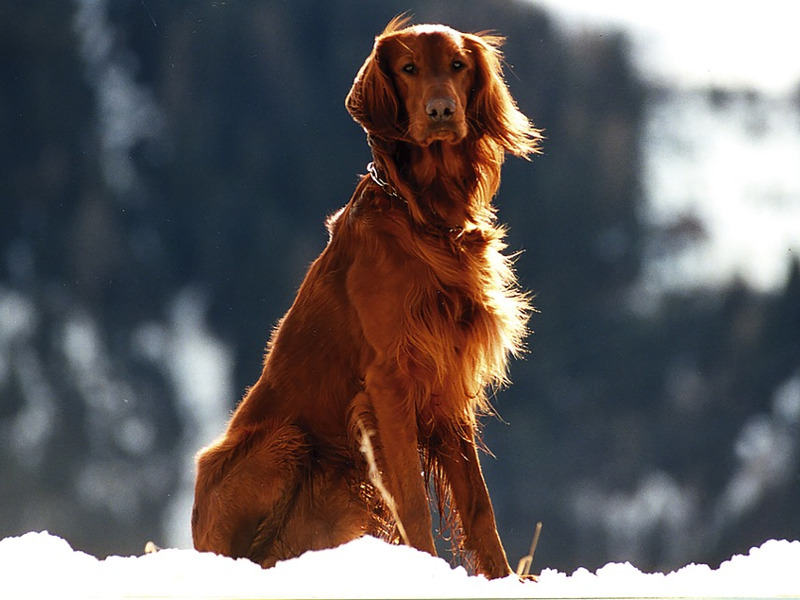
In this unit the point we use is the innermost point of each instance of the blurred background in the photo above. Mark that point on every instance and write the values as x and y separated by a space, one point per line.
165 170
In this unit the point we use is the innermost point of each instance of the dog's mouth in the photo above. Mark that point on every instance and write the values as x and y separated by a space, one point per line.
450 133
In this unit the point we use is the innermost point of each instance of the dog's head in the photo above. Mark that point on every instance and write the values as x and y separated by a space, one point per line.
428 83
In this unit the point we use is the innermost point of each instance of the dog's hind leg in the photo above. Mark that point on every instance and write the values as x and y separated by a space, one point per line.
246 483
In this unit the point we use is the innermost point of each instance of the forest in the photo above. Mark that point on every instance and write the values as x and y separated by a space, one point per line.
166 169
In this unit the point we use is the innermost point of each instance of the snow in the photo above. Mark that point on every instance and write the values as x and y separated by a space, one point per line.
734 165
41 565
700 42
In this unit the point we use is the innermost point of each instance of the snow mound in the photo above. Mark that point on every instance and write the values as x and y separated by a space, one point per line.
40 565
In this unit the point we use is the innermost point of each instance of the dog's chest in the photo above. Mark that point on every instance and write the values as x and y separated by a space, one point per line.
450 322
433 304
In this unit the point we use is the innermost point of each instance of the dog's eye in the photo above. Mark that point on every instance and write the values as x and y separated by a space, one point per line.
410 68
457 65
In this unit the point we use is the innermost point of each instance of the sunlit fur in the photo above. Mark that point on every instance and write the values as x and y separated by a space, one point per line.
400 328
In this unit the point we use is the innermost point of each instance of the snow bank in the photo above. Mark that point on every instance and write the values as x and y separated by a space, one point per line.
39 565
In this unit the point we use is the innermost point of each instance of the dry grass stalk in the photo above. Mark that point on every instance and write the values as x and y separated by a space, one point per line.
376 479
524 566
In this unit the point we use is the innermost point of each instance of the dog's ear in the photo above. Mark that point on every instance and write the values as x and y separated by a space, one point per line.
372 101
492 110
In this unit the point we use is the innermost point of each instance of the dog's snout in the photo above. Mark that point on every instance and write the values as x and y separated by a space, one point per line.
440 109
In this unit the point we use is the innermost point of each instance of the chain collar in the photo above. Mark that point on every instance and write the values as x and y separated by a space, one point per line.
453 233
383 184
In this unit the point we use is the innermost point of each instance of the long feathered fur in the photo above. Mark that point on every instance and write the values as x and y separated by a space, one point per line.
400 330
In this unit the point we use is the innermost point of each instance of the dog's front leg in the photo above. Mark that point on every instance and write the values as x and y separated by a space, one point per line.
397 456
459 460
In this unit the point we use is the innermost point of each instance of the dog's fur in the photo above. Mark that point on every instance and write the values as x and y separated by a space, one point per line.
400 326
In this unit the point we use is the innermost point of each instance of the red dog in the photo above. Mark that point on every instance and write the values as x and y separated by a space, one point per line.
401 324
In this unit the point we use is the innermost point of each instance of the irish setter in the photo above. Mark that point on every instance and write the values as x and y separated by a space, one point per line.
400 326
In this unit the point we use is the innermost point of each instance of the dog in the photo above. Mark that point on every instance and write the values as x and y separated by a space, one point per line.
374 381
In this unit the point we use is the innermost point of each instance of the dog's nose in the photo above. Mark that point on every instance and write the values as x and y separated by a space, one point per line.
440 109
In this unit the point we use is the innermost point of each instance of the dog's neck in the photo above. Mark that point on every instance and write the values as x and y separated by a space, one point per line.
446 186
